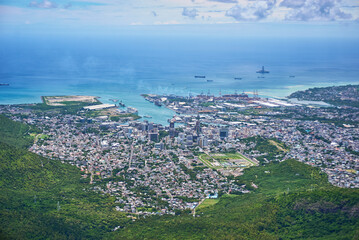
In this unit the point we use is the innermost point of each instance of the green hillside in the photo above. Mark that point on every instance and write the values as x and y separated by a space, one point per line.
45 199
292 201
14 133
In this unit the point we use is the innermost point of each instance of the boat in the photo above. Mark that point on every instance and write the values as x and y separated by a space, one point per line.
292 76
262 71
147 116
4 84
157 103
237 78
209 80
199 76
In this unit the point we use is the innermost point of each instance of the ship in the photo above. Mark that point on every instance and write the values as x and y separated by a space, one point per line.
4 84
147 116
157 103
199 76
262 71
209 80
237 78
292 76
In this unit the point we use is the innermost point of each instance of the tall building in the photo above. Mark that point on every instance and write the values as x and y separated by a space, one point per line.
153 135
197 127
203 142
223 133
172 130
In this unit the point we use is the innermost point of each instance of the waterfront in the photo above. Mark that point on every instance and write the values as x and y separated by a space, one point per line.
163 66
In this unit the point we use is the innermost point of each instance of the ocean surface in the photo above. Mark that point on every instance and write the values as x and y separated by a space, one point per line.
125 67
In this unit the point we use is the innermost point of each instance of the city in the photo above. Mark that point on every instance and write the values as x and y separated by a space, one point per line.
153 169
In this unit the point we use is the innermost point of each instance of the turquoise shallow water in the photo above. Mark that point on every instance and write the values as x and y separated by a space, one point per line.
125 68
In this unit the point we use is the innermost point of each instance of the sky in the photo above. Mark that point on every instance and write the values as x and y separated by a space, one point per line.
247 17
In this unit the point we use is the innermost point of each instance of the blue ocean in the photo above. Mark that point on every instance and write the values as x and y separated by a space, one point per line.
124 67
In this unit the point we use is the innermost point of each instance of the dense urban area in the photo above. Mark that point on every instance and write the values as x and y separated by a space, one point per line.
153 169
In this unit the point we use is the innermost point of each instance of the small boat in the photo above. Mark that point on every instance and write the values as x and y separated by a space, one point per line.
199 76
260 77
147 116
157 103
292 76
209 80
237 78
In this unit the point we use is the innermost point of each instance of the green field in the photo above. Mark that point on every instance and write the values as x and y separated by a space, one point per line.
206 203
226 160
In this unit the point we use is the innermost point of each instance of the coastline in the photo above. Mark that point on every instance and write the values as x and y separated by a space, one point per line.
159 115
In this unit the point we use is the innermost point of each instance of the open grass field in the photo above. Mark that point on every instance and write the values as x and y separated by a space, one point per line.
226 160
208 202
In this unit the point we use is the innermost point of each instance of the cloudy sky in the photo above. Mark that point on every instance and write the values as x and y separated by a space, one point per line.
67 14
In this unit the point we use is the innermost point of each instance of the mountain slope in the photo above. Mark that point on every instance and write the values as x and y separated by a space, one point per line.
46 199
293 201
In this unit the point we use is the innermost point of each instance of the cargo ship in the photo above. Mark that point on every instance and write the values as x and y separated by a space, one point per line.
262 71
4 84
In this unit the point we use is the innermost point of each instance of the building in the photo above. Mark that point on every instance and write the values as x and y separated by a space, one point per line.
153 135
223 133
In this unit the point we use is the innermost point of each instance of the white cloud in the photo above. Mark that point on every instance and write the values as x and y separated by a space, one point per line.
253 11
192 13
306 10
44 4
118 13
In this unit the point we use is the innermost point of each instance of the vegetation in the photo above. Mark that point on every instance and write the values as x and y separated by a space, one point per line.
292 201
206 203
218 161
16 134
46 199
67 109
271 148
336 95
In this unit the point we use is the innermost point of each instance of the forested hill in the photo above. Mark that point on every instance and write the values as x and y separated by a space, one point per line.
292 201
46 199
16 134
337 95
